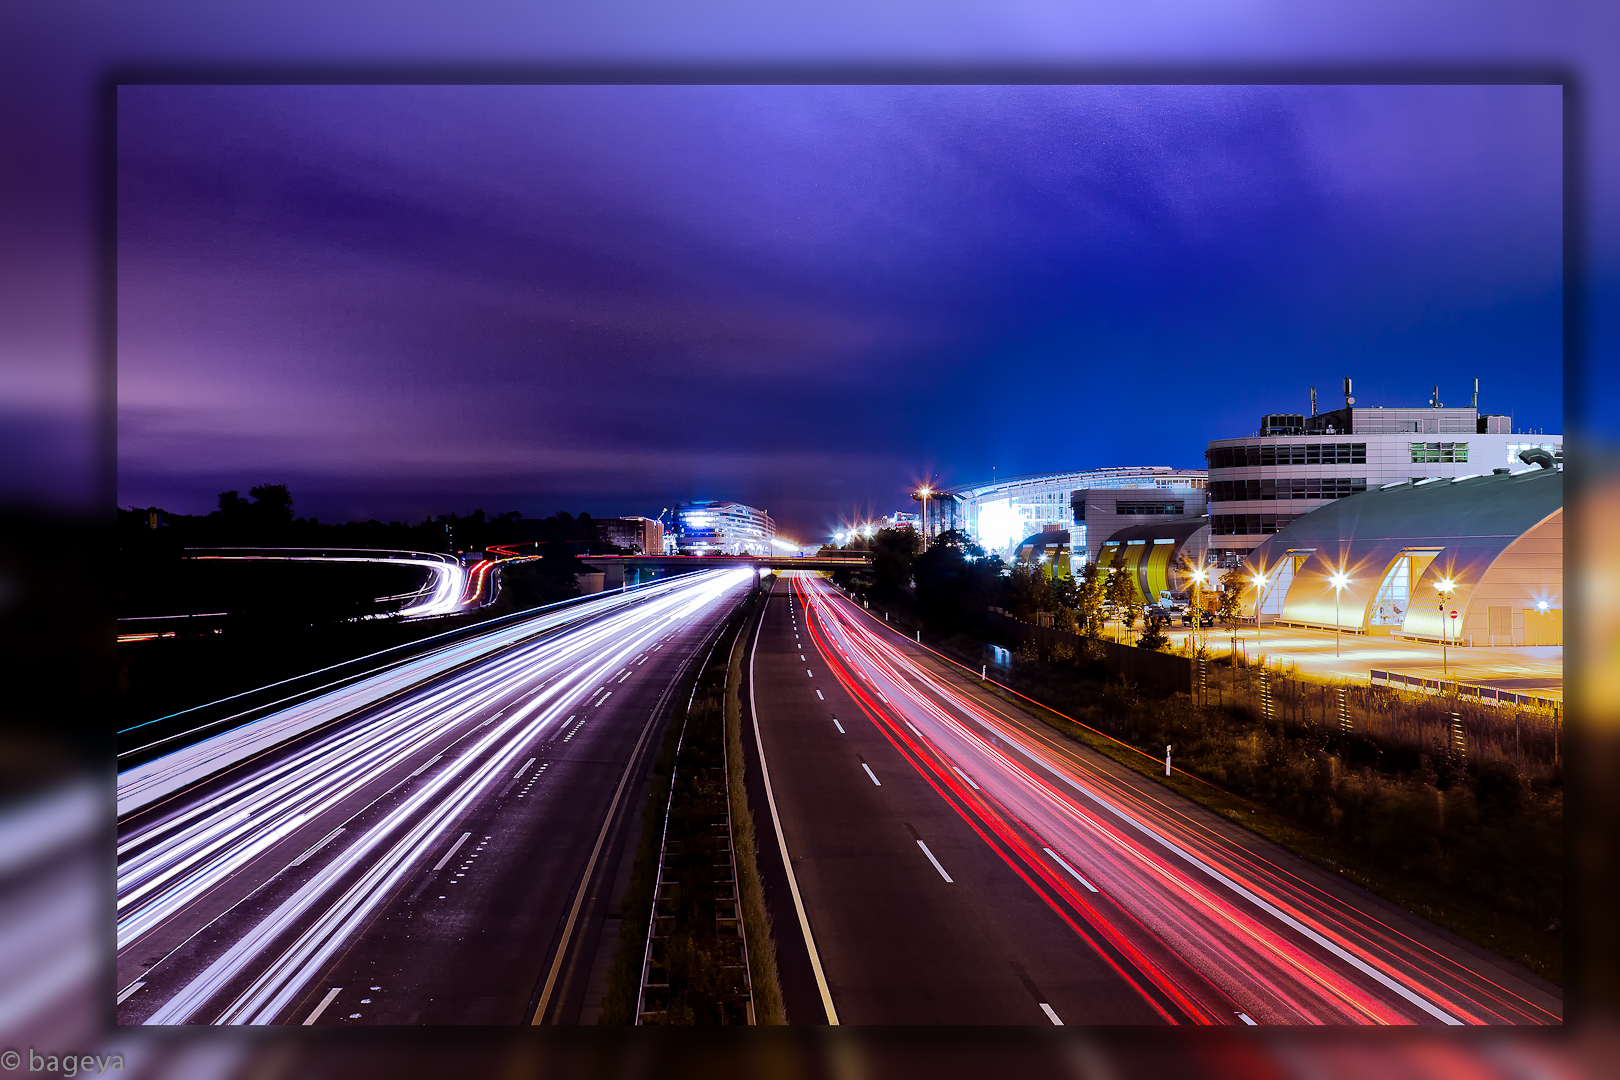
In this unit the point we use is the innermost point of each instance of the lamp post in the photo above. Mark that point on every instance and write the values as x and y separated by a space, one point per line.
1199 577
1338 581
1445 587
923 493
1259 598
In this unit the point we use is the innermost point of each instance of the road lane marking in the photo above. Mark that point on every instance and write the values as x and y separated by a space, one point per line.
935 861
623 677
818 694
1072 871
322 842
641 661
325 1001
1269 908
810 673
781 843
1051 1015
427 764
1241 1016
519 774
875 780
801 656
966 777
604 697
839 726
451 853
128 990
913 728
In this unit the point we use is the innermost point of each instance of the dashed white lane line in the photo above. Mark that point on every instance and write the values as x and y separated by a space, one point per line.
818 694
130 989
1053 1016
451 853
810 673
325 1001
1072 871
913 728
642 660
839 726
625 676
428 763
1241 1016
935 861
519 774
868 769
801 656
966 777
604 697
313 848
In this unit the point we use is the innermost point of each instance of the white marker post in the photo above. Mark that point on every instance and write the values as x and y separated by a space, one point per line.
984 672
1167 759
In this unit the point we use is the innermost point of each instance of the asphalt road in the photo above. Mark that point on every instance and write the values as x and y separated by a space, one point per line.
444 856
959 862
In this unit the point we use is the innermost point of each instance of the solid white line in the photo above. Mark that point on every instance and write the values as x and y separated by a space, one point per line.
453 849
519 774
868 769
781 841
325 1001
128 990
1050 1015
1059 860
322 842
935 861
818 694
1247 1020
1264 905
839 726
966 777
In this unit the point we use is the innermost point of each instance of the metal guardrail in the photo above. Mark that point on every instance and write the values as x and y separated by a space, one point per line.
1488 695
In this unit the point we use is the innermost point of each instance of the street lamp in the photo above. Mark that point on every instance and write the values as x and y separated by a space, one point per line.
923 493
1199 578
1445 587
1259 597
1338 581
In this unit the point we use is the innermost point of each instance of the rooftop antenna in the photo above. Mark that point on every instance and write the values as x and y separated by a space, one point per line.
1348 400
1475 404
1313 401
1434 399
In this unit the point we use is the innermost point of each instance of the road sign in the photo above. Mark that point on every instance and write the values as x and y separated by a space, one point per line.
1453 614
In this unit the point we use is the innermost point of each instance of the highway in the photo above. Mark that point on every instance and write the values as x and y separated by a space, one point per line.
958 862
440 845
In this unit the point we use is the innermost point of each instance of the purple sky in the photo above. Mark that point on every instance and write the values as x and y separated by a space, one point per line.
410 300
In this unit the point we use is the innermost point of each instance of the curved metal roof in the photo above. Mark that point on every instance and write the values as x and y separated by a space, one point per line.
1470 521
1178 529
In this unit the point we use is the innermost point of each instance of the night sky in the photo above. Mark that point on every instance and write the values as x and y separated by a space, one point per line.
411 300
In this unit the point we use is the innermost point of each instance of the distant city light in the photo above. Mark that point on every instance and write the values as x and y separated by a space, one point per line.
999 524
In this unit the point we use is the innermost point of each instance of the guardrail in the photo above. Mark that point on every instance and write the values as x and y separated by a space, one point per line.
1488 695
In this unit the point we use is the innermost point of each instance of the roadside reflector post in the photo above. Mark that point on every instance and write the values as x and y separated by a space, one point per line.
984 672
1167 759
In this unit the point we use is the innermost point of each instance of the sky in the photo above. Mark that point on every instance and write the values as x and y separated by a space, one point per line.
411 300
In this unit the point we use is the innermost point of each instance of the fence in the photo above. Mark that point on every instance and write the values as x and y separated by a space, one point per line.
1486 695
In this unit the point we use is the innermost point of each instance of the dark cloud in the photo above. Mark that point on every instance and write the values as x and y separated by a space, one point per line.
609 298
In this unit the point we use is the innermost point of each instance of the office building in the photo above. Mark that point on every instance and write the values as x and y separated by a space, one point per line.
1296 462
1091 505
722 528
645 536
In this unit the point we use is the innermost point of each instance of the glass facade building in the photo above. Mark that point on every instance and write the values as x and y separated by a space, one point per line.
722 528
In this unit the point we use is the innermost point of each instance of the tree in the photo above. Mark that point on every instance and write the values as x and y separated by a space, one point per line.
894 555
1088 601
273 503
1153 635
1230 609
956 582
1122 596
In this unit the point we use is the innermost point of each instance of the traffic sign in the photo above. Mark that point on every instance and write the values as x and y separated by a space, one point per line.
1453 614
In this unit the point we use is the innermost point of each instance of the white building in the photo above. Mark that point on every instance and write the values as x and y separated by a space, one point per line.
723 528
1091 504
1263 482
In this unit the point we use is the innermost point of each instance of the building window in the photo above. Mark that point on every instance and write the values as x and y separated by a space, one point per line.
1295 487
1237 457
1149 508
1248 524
1439 452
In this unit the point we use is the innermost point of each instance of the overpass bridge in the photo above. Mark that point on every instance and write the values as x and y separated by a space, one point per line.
620 568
